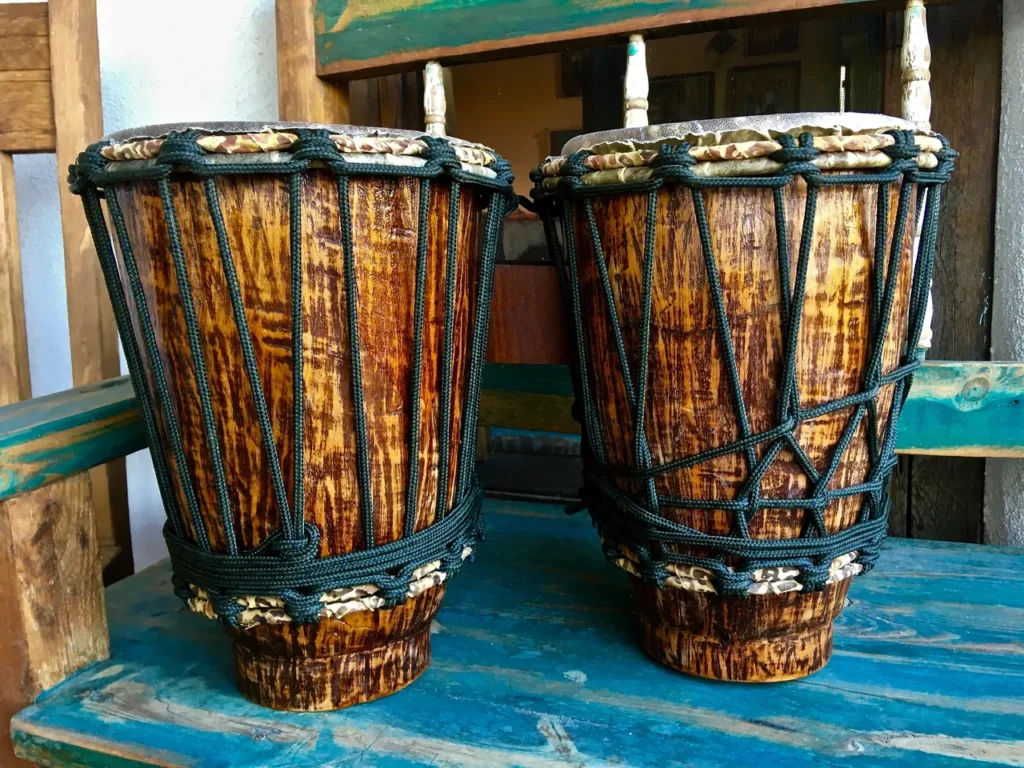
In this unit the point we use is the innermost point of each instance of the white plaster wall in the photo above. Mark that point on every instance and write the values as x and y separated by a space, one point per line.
1004 478
159 62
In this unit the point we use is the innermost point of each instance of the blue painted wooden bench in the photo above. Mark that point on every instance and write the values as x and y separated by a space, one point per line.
535 665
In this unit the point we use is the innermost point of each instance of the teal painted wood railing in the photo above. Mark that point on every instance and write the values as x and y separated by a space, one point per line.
361 37
962 409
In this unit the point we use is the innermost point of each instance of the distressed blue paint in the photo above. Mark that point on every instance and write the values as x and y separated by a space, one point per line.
535 666
47 438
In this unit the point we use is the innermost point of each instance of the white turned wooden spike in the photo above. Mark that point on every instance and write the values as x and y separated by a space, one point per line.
434 105
635 87
915 60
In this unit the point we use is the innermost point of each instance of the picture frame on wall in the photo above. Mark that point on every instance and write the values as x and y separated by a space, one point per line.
679 98
763 89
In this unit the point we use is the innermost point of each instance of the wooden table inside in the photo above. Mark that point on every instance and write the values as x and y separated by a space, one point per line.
535 665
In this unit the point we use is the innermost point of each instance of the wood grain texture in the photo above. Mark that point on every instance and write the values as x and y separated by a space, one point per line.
527 316
74 61
52 594
384 236
690 407
15 383
535 666
966 44
301 95
363 37
50 438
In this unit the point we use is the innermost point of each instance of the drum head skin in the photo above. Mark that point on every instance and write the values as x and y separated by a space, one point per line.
257 127
735 129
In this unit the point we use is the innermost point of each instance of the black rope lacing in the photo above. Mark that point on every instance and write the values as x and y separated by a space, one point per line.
286 565
635 522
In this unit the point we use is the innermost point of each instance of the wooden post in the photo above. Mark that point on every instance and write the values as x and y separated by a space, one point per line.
301 94
14 376
434 104
635 86
51 594
78 117
915 60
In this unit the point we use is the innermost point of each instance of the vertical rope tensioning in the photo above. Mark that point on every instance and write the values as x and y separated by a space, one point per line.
298 383
198 365
112 278
478 345
159 375
249 358
416 379
593 426
356 362
446 374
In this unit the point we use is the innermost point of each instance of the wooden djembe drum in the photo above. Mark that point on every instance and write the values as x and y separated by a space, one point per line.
746 297
304 312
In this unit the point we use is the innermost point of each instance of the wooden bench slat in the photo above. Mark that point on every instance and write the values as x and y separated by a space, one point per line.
535 664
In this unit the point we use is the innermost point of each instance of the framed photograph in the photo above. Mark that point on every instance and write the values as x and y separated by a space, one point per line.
763 89
678 98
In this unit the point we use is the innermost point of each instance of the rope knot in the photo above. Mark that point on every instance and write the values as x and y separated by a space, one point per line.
180 148
304 608
304 548
791 152
441 153
575 165
673 158
905 148
80 174
315 145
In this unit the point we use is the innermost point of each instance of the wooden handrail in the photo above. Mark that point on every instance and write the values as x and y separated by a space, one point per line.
49 438
954 408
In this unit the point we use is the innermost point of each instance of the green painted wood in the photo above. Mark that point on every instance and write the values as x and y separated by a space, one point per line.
962 409
362 37
48 438
535 666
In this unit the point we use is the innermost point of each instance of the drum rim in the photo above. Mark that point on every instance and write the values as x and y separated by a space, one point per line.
728 130
233 127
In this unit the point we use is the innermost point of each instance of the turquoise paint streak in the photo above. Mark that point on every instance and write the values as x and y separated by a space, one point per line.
452 23
535 659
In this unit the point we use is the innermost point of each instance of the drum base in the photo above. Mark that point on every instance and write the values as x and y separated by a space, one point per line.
336 663
760 639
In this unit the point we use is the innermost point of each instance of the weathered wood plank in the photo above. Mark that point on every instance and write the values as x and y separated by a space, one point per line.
78 116
301 95
535 665
51 593
360 37
14 369
49 438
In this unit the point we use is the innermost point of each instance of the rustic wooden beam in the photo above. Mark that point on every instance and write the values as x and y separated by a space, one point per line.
75 66
51 595
358 38
301 95
14 372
